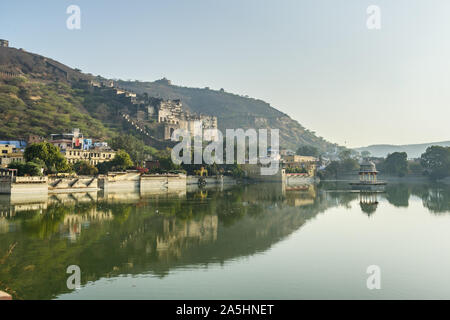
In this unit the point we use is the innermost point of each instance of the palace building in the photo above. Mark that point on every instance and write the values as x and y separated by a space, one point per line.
92 156
171 115
307 163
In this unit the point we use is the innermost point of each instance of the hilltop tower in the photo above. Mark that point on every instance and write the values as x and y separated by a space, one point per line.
4 43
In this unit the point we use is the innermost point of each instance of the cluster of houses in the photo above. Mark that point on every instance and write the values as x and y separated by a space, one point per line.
74 146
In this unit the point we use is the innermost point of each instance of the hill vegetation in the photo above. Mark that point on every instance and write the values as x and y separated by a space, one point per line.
413 150
41 108
44 96
233 111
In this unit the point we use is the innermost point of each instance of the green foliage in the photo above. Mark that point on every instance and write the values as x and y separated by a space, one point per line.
335 168
121 162
137 150
49 154
436 160
348 164
166 164
307 150
29 168
396 164
415 167
85 168
296 170
331 171
42 108
104 167
345 154
237 171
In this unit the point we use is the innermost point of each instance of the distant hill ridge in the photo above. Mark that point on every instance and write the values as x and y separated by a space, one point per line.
413 150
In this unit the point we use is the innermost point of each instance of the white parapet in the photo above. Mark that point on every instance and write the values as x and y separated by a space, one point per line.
5 296
23 185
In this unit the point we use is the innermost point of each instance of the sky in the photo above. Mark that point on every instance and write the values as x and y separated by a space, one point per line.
315 60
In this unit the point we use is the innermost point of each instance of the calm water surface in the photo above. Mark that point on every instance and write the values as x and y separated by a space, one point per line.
261 241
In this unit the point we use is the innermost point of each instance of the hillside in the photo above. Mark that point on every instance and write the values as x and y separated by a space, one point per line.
233 111
41 96
413 150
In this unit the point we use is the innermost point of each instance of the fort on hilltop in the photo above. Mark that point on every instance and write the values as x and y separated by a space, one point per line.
171 115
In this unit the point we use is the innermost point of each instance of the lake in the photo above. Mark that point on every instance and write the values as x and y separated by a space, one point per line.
261 241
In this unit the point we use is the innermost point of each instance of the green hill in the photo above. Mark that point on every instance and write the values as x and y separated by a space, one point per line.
233 111
413 150
41 96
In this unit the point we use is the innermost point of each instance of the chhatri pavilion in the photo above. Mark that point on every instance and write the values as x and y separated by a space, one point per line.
367 176
367 172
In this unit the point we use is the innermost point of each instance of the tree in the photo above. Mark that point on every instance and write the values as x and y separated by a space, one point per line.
136 148
296 170
348 164
49 154
307 150
167 164
85 168
104 167
345 154
436 160
396 164
122 161
332 170
27 169
237 171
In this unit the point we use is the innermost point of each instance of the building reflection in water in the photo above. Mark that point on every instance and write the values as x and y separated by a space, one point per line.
113 234
302 195
368 202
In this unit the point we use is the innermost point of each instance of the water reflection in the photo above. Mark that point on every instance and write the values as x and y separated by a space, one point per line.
368 202
114 234
436 198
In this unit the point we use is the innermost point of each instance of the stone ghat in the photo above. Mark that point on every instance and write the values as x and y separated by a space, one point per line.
72 184
130 181
23 185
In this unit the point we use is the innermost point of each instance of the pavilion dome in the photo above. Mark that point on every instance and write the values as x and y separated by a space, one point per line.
367 166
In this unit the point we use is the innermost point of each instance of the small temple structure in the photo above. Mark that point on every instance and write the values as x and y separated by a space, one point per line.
367 172
368 177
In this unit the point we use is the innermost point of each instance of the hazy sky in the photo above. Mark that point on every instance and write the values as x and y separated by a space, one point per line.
314 60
